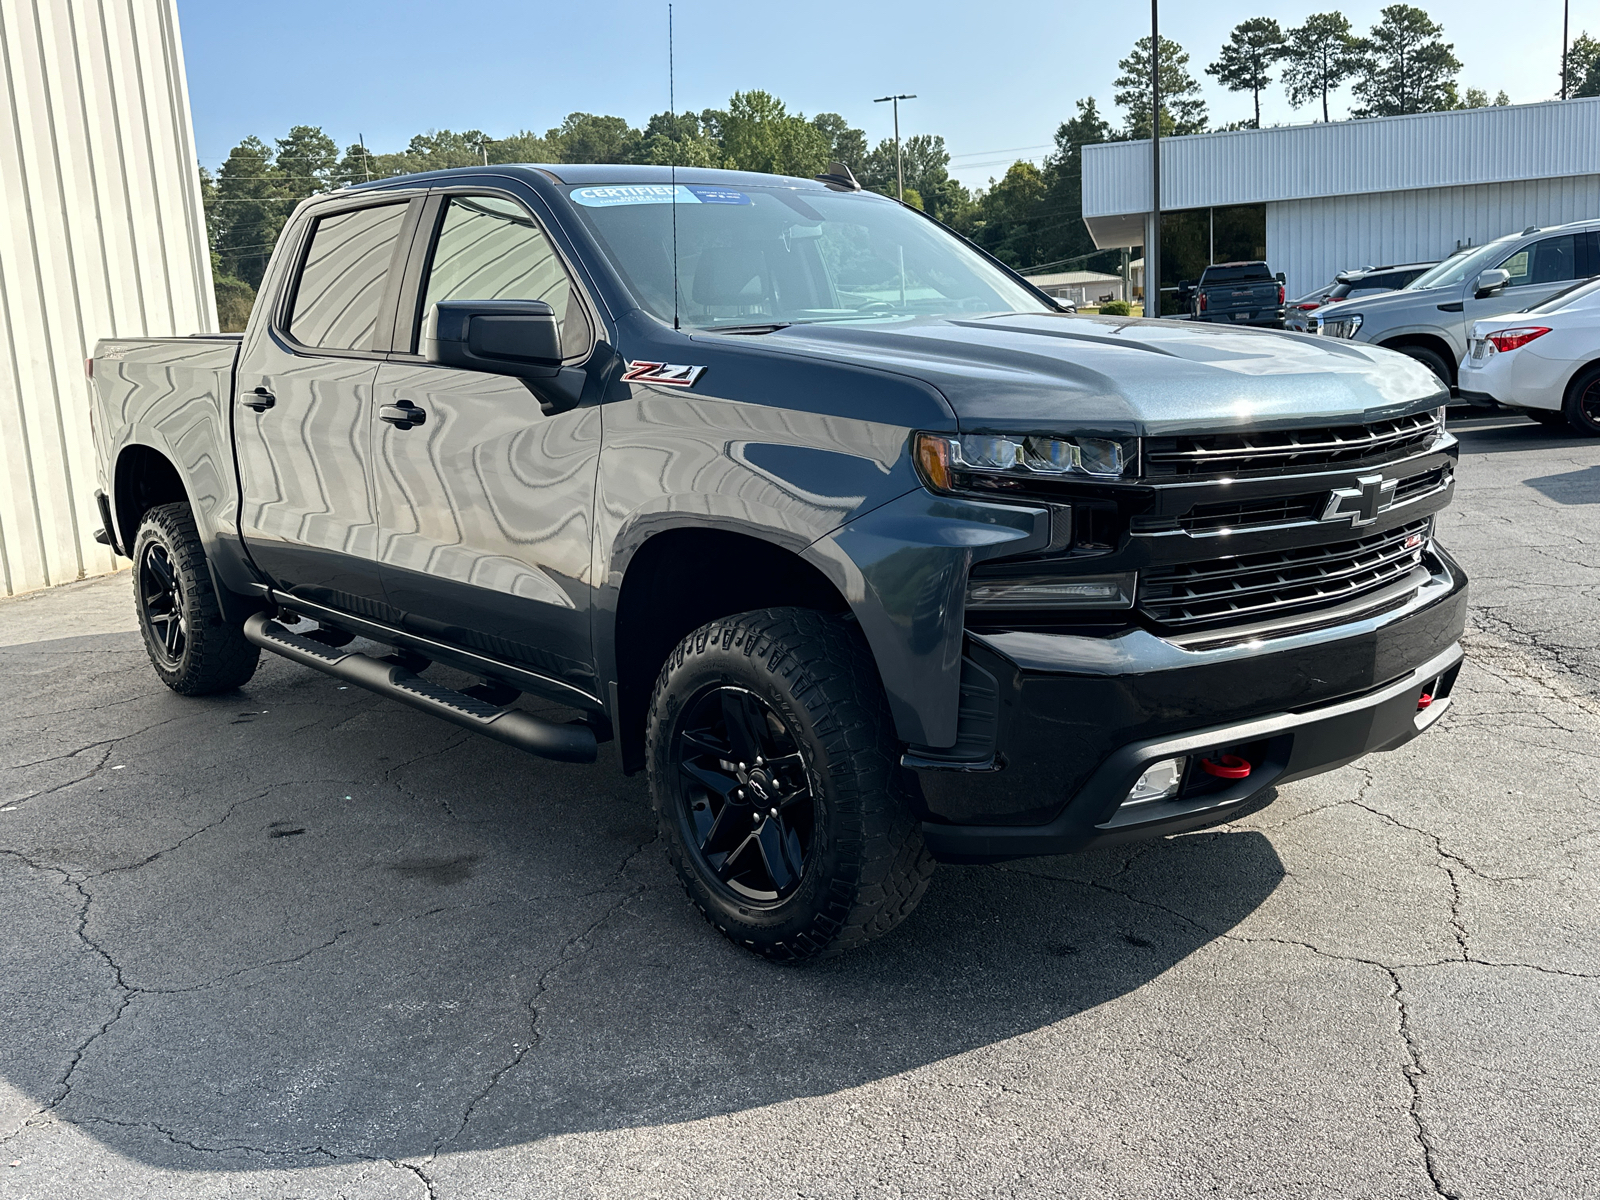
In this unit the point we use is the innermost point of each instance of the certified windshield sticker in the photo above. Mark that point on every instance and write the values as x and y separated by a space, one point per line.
633 193
715 195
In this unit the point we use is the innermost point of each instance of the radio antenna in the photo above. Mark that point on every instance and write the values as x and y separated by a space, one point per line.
672 108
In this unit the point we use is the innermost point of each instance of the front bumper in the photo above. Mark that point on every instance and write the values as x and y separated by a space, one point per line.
1079 719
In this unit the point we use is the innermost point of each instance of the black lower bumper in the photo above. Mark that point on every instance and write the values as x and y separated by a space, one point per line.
1081 719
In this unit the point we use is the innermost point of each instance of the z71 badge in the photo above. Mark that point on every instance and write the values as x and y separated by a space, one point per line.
672 374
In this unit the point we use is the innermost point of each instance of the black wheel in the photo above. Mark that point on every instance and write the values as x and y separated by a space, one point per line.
1431 359
1582 408
775 774
191 646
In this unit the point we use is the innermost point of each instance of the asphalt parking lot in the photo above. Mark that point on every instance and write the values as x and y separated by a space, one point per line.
299 941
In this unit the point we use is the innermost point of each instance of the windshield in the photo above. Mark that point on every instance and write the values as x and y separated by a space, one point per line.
1584 294
1458 268
777 255
1237 273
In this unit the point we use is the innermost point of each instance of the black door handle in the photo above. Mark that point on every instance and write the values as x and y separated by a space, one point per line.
402 414
260 399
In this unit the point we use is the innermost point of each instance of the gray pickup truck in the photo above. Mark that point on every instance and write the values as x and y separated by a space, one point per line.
860 549
1236 293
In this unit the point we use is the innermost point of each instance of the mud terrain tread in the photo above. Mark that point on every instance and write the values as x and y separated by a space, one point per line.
827 670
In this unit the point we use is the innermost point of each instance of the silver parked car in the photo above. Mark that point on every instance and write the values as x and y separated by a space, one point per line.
1351 285
1430 317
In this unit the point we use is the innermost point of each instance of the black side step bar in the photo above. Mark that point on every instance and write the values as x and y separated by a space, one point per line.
568 743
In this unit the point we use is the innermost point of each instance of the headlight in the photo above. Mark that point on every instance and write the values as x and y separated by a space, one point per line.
1342 327
954 463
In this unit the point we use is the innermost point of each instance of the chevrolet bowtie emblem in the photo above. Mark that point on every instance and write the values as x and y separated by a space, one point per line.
1360 505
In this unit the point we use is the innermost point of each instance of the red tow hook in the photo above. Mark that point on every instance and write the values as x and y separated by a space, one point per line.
1424 700
1230 767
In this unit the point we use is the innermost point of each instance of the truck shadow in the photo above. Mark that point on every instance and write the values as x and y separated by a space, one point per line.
375 936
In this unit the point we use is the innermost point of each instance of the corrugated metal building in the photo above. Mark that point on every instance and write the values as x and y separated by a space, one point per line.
104 235
1354 193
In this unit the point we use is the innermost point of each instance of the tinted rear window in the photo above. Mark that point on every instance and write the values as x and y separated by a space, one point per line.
1245 273
342 282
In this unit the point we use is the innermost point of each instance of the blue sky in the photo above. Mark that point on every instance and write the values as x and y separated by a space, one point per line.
994 78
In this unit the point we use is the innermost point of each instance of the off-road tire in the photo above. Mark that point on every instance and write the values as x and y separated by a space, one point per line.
1582 406
868 867
215 657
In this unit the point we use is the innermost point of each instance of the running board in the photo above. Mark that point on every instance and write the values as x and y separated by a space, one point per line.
567 743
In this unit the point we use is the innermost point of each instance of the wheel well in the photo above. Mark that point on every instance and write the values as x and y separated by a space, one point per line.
145 478
1572 381
1437 344
679 580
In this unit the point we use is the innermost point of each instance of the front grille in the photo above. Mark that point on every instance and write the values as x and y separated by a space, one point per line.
1240 515
1284 450
1263 587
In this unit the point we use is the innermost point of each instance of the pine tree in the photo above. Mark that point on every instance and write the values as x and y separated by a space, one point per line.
1406 67
1182 109
1319 55
1245 63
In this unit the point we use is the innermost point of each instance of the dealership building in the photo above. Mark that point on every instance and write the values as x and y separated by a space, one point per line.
1317 199
103 236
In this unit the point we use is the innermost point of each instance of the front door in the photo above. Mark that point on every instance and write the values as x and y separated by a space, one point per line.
485 505
303 424
1538 271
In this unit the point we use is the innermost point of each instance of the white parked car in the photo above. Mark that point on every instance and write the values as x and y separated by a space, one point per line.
1544 360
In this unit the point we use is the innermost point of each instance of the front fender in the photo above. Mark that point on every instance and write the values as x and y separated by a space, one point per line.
903 570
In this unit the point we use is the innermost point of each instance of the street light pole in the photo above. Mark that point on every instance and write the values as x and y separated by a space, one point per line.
1566 14
899 169
1152 233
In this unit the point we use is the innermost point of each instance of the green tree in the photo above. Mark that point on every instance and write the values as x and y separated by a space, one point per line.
759 134
1008 214
525 146
1318 56
1060 229
680 140
249 205
309 161
586 138
1245 63
235 298
1182 109
1406 66
1582 57
1501 100
845 143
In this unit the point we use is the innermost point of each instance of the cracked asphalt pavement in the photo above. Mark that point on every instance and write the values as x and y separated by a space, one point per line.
299 941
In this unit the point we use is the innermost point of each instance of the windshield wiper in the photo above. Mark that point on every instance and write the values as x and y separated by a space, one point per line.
762 327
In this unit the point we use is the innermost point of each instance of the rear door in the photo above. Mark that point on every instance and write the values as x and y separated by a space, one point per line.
303 397
486 506
1538 271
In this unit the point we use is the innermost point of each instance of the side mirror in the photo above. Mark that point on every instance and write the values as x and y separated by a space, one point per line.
1185 285
1280 277
1490 281
505 337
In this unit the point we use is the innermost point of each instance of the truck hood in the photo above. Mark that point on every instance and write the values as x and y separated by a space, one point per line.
1400 300
1048 372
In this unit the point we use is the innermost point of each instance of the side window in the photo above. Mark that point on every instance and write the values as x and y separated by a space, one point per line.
342 282
1550 260
491 249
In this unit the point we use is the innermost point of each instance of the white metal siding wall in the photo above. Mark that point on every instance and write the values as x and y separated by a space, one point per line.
1309 240
1552 140
103 236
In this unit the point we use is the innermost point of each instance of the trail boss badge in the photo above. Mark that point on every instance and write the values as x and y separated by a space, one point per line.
671 374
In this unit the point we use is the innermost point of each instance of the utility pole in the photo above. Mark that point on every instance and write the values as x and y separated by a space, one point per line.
1566 15
366 159
899 168
1152 231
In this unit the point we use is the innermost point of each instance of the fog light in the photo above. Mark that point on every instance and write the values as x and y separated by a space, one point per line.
1052 591
1159 782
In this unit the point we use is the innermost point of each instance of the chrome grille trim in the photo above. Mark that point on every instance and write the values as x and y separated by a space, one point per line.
1252 587
1249 516
1280 450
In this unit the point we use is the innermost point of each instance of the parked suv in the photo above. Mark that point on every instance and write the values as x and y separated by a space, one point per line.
1351 285
1430 318
836 528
